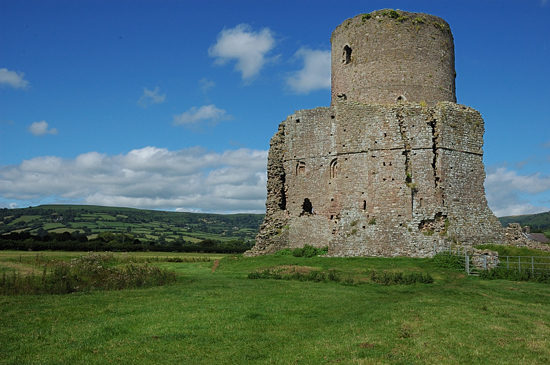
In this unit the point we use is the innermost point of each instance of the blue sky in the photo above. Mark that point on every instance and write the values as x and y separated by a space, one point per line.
171 104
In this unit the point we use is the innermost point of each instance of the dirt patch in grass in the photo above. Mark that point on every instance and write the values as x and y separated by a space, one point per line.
216 263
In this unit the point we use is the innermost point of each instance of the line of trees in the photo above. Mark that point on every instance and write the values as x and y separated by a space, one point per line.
108 241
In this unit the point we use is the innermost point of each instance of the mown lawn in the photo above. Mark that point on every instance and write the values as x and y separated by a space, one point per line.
222 317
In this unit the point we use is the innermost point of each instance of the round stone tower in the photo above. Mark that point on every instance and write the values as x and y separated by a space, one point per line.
391 56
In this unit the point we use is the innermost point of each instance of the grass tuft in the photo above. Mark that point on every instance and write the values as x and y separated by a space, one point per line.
447 260
384 278
399 278
502 273
314 275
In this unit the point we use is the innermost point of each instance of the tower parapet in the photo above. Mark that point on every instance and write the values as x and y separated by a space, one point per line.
391 56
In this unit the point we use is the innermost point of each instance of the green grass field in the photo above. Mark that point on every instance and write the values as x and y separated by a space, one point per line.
222 317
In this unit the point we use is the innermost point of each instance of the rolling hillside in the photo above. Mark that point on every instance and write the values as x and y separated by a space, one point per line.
150 226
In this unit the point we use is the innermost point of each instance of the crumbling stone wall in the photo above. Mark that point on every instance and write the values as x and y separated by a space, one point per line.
515 236
484 259
367 178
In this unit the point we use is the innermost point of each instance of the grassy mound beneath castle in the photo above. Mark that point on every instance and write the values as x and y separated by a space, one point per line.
215 314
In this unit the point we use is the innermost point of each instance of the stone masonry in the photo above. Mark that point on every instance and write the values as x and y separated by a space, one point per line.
394 166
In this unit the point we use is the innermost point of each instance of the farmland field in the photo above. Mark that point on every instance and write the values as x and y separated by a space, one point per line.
215 314
147 226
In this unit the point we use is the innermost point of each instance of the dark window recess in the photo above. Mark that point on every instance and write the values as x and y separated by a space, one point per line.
282 202
307 207
346 55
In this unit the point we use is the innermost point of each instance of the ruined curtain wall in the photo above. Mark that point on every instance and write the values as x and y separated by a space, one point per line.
380 180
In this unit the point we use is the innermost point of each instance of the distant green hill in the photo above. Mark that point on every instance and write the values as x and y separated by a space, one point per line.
537 222
146 226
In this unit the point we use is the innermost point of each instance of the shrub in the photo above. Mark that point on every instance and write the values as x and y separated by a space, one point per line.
515 275
309 251
265 274
86 273
188 259
384 278
284 252
442 27
315 275
399 278
393 14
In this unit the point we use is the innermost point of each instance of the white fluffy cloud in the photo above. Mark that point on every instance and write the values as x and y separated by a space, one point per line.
196 180
41 128
508 192
151 178
241 43
208 114
151 97
316 72
13 79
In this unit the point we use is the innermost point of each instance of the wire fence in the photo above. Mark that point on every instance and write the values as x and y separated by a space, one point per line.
521 263
475 262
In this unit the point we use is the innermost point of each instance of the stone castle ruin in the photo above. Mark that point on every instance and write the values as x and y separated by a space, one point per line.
394 166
